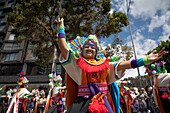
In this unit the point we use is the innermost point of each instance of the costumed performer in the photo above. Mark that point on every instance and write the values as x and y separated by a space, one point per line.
161 85
56 93
85 63
41 102
118 94
19 99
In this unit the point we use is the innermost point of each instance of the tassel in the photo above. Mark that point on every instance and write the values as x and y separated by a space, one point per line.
97 105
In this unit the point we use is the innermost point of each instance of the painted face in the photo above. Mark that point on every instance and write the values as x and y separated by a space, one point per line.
89 51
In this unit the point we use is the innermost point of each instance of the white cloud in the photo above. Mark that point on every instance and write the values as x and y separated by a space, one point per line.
157 14
134 72
158 21
166 33
148 8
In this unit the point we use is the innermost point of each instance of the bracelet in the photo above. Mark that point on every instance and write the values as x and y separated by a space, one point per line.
146 60
140 62
134 63
61 33
128 81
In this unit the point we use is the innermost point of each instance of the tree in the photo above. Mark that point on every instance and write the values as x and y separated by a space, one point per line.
118 49
34 20
166 57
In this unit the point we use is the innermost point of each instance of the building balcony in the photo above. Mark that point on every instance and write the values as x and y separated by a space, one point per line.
8 79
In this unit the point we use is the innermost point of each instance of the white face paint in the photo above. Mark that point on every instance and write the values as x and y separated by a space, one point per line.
89 51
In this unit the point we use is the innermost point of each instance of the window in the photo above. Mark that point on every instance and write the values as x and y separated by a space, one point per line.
11 57
11 37
1 37
8 46
1 6
58 69
32 56
0 12
35 70
11 46
6 13
10 70
10 4
2 20
2 27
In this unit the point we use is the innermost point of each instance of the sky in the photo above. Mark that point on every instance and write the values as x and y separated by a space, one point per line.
150 24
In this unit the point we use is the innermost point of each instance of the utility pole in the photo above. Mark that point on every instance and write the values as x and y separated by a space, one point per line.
128 7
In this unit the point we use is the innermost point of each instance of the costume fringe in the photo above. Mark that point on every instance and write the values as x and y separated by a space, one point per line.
88 68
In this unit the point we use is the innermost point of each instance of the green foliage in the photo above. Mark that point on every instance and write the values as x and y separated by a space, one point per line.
92 17
166 57
34 20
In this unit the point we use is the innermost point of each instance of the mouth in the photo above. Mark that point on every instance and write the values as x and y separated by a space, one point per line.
89 52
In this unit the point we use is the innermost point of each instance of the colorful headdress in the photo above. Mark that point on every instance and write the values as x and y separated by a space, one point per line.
55 79
14 90
77 44
42 92
23 81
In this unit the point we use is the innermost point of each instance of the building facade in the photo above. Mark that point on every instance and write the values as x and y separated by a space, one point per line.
18 56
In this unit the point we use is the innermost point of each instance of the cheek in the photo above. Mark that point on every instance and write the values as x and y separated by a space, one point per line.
84 51
94 50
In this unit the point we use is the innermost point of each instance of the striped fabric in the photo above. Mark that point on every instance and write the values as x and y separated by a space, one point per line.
140 62
61 33
83 90
68 60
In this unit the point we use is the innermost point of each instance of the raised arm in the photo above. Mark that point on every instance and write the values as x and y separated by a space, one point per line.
143 61
61 37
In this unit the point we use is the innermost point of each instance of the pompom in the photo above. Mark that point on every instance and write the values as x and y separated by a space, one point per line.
152 66
21 79
20 83
50 76
22 73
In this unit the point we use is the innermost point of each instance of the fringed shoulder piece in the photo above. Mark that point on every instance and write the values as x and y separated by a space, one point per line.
88 67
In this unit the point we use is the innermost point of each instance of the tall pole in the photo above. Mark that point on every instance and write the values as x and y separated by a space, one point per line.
128 7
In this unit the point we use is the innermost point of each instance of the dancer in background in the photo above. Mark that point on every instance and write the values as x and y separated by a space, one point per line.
18 102
84 61
161 85
54 102
41 102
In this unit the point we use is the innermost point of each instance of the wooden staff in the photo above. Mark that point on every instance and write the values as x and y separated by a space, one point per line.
48 100
161 109
36 106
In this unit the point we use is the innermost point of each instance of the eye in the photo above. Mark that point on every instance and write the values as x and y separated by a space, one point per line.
93 47
86 47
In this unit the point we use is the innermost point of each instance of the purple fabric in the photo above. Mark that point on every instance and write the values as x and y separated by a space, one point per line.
61 105
134 63
94 90
61 35
136 106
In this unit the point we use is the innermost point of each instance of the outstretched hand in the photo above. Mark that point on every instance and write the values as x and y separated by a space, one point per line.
154 57
60 21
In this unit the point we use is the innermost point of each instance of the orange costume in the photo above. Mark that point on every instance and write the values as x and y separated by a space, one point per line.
83 72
